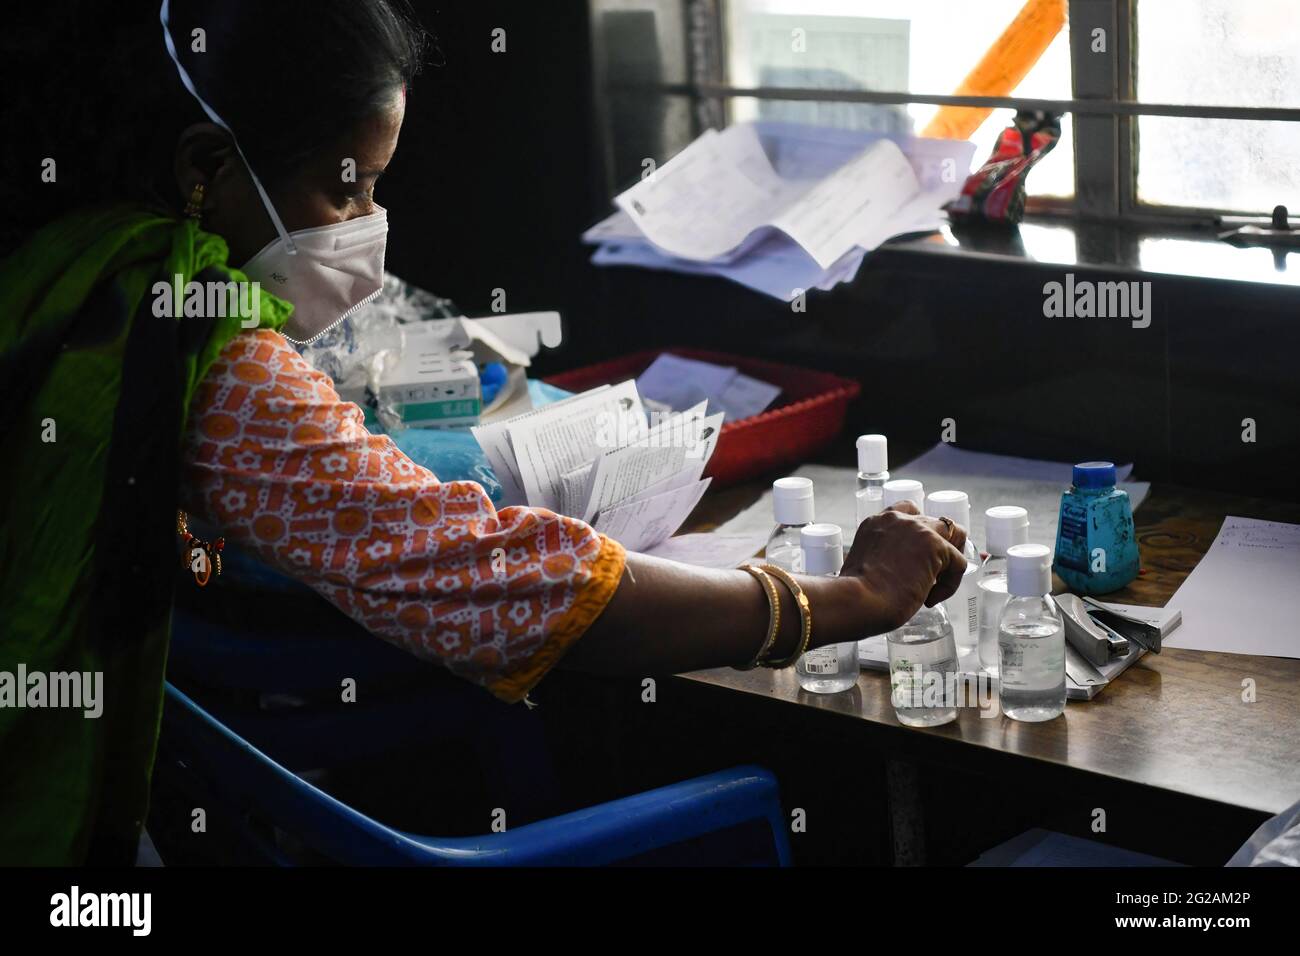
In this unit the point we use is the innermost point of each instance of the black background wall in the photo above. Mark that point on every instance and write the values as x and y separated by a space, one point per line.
493 179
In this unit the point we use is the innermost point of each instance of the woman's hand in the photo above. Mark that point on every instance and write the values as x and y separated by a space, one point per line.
904 560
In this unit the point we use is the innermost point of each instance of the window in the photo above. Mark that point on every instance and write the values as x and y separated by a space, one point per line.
1170 108
1219 53
925 47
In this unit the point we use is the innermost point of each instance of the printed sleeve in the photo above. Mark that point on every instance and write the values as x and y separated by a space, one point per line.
284 467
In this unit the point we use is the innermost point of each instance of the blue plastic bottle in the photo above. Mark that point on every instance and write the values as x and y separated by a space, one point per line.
1096 546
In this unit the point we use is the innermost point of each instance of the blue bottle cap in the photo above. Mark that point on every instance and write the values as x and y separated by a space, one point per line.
1094 474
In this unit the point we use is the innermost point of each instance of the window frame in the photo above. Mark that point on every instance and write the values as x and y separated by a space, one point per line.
1103 107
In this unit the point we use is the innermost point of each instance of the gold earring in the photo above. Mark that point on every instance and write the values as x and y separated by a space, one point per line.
194 208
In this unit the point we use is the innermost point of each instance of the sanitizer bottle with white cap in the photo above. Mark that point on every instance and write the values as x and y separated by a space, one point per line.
873 472
1004 526
833 668
903 489
962 607
891 492
923 669
1031 639
792 506
923 666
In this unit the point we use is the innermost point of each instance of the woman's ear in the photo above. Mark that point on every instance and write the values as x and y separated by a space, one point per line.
205 154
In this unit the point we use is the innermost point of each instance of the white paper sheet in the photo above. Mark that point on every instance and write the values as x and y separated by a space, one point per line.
495 442
681 382
718 197
692 471
625 473
709 549
776 265
548 443
642 524
1244 595
744 397
856 201
706 202
592 456
574 487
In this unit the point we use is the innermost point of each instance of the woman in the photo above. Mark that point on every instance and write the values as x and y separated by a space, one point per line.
127 410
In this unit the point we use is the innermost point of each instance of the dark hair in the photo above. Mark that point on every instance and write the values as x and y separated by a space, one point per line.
90 85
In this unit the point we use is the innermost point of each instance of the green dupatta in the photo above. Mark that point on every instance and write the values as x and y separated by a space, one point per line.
88 554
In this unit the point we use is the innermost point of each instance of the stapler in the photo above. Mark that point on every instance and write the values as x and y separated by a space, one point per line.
1096 644
1125 626
1101 634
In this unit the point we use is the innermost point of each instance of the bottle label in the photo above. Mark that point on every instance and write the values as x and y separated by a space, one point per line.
823 660
1072 535
964 609
1031 664
918 674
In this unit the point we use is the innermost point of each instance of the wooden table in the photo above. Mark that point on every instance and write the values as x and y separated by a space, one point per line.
1176 722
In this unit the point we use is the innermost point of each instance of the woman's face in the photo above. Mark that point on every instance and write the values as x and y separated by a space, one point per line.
317 194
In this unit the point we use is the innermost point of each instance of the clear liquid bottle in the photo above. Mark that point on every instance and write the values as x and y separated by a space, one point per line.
1031 639
792 507
962 607
873 472
1004 526
923 669
833 668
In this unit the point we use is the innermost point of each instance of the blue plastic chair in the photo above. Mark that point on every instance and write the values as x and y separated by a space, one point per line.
265 656
733 816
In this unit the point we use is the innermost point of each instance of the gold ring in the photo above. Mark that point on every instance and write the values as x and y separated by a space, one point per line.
947 523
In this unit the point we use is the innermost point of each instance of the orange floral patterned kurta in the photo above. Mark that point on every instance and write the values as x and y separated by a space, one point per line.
277 461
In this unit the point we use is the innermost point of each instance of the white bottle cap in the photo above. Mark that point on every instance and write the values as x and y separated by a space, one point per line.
1004 526
792 500
823 548
873 454
1029 570
904 489
949 504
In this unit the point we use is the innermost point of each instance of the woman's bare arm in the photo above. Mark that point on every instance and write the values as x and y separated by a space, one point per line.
667 617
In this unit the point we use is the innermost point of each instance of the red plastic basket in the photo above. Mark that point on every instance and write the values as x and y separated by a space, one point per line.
807 416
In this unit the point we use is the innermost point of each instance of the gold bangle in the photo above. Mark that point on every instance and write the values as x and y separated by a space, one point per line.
805 614
773 613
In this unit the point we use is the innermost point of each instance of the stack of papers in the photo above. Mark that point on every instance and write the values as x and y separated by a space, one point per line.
673 383
779 207
595 456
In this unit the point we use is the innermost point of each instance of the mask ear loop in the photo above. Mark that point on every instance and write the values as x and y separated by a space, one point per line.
290 248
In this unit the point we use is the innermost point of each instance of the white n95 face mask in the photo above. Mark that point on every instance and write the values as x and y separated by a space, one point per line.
327 272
